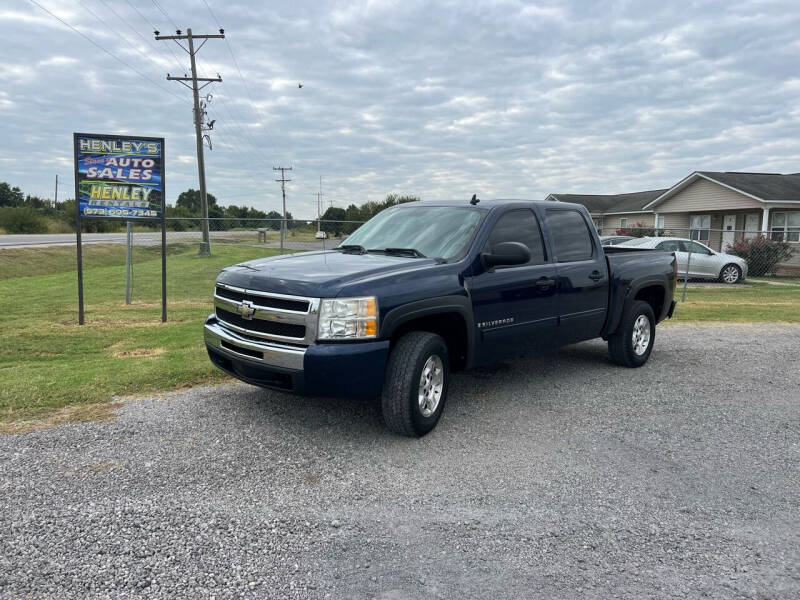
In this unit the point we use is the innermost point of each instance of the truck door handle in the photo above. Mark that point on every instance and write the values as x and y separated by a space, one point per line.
544 283
595 275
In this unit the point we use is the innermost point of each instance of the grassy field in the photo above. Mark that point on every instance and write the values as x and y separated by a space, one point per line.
48 362
49 365
749 302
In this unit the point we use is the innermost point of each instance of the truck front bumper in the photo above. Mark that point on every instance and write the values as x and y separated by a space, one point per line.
353 369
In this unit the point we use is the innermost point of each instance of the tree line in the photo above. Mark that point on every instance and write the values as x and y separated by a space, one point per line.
24 213
338 221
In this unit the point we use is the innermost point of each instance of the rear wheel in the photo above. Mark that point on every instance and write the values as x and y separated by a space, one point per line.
730 274
631 345
415 387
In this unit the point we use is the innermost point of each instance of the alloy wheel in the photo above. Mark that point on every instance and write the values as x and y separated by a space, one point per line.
431 384
641 335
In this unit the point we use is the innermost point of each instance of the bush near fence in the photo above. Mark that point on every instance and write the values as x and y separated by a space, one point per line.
762 254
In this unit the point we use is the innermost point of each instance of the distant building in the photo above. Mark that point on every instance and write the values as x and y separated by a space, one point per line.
715 208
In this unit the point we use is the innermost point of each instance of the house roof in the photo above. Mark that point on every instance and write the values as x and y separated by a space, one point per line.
611 203
765 187
770 187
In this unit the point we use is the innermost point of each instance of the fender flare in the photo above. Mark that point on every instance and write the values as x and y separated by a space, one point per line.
460 305
613 320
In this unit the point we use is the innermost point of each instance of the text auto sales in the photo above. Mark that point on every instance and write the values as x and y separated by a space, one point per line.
129 169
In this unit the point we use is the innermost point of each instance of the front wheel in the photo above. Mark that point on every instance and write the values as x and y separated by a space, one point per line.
631 345
415 386
730 274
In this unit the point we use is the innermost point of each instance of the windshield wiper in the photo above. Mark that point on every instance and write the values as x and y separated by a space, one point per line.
404 251
355 248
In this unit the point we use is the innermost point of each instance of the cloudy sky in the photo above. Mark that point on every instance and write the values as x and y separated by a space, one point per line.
438 99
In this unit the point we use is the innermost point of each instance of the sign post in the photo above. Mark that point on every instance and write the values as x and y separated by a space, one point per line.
122 178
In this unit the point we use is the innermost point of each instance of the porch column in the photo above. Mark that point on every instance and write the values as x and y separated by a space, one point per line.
655 224
765 222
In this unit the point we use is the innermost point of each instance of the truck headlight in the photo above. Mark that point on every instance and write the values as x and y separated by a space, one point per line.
348 318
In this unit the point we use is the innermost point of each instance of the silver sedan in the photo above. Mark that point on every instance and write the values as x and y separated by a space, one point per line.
696 260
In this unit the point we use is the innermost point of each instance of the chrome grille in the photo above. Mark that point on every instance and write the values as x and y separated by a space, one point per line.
266 315
266 301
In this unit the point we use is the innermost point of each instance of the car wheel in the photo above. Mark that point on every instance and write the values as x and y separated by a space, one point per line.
415 386
730 274
633 341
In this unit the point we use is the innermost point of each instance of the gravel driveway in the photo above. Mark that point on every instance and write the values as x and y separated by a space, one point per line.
561 477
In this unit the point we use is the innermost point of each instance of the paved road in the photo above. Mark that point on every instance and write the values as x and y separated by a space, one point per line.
146 239
547 478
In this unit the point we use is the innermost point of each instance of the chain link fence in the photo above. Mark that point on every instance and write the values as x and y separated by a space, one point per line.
715 266
715 256
190 275
295 235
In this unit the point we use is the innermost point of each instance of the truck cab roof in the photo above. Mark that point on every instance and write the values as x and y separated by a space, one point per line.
492 203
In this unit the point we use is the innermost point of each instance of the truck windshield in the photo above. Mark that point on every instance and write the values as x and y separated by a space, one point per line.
435 231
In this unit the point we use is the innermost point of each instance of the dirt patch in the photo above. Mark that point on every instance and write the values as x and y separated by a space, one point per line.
136 352
69 414
104 466
106 324
171 304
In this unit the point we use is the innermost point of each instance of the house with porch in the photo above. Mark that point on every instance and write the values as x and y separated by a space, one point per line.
720 207
615 211
713 207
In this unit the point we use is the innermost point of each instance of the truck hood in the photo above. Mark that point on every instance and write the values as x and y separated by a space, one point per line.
317 274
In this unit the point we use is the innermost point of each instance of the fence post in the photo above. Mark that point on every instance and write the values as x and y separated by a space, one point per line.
128 239
686 276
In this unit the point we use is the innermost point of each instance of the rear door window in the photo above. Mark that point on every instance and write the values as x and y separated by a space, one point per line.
572 239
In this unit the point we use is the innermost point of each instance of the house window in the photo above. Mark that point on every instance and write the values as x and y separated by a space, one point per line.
700 228
660 222
786 226
623 223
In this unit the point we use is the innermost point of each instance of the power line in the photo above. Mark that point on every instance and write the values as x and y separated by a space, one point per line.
153 28
237 121
163 12
111 54
159 49
105 23
256 110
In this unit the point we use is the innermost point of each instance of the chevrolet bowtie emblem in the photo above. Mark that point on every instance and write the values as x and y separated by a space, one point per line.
246 310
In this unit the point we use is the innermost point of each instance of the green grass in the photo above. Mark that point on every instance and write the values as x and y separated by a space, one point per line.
749 302
48 362
52 368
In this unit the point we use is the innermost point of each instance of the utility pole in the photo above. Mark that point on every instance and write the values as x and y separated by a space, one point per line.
205 246
283 181
319 205
55 201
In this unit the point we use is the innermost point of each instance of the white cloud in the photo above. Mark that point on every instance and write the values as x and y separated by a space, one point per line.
511 99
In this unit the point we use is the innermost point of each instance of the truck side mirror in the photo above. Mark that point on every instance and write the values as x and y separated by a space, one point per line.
506 254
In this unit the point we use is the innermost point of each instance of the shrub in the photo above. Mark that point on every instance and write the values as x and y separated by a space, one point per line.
22 220
638 230
762 254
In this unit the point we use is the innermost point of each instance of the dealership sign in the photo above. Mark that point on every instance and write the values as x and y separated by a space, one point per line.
119 176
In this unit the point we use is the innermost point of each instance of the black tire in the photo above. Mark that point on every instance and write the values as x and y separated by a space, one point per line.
621 344
733 269
400 396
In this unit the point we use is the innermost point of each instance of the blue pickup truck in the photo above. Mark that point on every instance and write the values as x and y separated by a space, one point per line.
427 288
